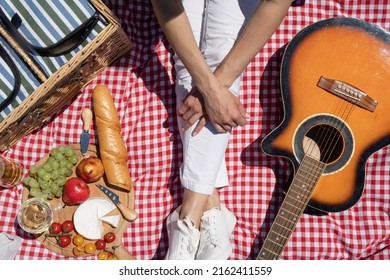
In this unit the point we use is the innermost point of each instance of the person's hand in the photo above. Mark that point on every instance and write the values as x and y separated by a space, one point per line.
225 110
192 110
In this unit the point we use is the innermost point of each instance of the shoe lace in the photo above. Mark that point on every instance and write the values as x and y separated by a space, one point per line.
209 229
189 242
189 245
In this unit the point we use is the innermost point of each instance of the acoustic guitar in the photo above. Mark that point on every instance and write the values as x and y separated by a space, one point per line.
335 84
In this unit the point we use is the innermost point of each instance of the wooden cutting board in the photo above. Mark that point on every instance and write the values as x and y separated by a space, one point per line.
62 213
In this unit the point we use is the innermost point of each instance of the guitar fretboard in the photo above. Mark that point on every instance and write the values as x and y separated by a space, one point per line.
293 205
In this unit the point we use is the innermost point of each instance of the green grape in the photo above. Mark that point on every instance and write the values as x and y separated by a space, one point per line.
63 170
61 180
40 181
47 180
34 191
42 195
38 194
69 151
54 174
63 163
47 167
33 169
33 183
73 159
68 173
41 172
59 193
59 156
46 191
61 149
54 188
50 160
46 177
53 152
26 180
54 164
44 184
69 165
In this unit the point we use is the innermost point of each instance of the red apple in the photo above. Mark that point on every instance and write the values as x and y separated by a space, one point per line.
90 169
76 191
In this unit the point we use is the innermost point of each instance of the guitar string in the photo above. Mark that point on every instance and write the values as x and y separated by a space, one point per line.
295 213
343 113
290 219
326 137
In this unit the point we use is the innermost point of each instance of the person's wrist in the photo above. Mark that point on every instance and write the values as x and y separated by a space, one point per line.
222 76
208 86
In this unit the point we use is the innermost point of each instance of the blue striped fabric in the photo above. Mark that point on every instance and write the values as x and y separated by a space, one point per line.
28 81
47 22
43 23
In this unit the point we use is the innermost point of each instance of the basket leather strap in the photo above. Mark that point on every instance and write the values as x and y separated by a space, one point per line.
64 46
17 80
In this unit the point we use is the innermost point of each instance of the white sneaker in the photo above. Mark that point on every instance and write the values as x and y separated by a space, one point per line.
183 237
216 227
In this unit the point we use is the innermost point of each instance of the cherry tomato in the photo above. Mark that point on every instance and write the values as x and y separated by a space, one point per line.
78 239
100 244
90 248
55 228
78 250
109 237
64 240
112 257
102 255
67 226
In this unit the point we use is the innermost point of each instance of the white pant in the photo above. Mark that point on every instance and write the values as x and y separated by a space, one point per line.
216 25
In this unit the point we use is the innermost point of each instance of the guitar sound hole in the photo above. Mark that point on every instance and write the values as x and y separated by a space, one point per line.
324 142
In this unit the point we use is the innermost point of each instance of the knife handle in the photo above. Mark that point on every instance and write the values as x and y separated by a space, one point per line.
127 213
86 116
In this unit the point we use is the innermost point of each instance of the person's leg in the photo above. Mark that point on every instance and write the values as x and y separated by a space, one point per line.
203 167
223 20
183 222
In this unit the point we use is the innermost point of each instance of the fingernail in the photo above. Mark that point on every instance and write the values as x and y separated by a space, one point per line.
194 133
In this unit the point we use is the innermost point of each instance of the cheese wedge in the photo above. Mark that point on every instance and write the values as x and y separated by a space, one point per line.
89 217
111 220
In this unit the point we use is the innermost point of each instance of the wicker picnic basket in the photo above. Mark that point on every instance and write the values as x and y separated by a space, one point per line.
58 90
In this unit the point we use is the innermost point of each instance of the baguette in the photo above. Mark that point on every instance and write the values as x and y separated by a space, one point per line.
112 147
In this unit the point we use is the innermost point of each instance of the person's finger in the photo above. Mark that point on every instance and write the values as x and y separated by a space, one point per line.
226 127
233 124
193 119
181 110
221 128
187 115
199 126
241 120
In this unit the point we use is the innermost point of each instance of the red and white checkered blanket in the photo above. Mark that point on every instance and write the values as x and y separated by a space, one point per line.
142 86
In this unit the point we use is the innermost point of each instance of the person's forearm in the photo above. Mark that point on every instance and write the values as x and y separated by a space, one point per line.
264 22
174 22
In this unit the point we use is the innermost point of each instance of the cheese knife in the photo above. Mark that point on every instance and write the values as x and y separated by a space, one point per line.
127 213
86 116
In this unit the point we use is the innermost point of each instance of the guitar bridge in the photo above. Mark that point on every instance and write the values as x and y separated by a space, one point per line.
348 93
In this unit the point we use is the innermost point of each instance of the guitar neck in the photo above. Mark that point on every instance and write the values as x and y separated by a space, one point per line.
293 205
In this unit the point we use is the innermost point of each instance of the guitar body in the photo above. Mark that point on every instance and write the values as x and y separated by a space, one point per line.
342 130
